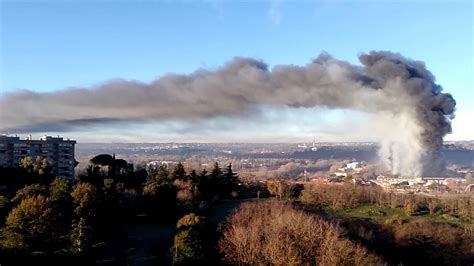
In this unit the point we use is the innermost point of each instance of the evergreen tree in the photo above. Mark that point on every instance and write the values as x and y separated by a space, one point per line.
194 178
92 176
191 244
161 175
215 174
215 186
178 172
203 176
202 184
86 201
81 236
229 180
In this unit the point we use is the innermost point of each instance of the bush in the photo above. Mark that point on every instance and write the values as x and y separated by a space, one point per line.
191 243
284 190
275 233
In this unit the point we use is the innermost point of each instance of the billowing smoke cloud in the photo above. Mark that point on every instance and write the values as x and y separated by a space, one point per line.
409 108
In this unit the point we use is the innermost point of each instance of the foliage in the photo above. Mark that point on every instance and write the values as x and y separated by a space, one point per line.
27 163
178 172
81 236
85 198
343 197
404 228
190 221
60 189
28 191
274 233
29 225
115 167
189 245
102 159
159 175
284 190
40 165
56 218
217 184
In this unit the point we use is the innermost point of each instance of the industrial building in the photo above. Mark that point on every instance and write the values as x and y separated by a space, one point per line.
58 151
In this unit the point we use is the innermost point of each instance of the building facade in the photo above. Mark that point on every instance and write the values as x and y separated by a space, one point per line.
58 152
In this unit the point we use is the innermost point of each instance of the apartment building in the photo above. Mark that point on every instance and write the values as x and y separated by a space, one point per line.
58 151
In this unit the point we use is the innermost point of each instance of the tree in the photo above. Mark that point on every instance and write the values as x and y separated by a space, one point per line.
178 172
81 236
216 173
190 221
185 190
284 190
29 226
84 197
93 175
102 160
114 166
60 189
160 175
203 175
159 199
201 184
28 191
61 203
27 164
229 180
42 166
194 178
214 184
273 233
189 245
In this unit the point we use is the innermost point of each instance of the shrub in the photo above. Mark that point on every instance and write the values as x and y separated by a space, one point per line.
191 242
276 233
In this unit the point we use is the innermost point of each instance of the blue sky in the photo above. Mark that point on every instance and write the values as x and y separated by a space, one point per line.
48 46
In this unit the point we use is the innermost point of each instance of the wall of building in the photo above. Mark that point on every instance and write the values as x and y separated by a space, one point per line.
59 152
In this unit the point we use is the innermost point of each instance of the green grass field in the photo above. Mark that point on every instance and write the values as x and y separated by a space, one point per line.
383 215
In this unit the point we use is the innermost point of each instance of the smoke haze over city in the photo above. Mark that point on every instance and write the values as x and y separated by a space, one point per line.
409 109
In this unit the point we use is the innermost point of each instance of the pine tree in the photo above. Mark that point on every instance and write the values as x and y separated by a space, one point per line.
194 177
215 185
178 172
229 180
81 237
203 184
162 174
216 173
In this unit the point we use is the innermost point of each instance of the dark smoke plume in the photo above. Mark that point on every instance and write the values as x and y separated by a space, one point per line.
400 93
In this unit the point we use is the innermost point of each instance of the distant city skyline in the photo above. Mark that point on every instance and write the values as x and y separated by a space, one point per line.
50 46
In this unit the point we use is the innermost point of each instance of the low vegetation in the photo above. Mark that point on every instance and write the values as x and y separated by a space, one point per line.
202 217
274 233
401 228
